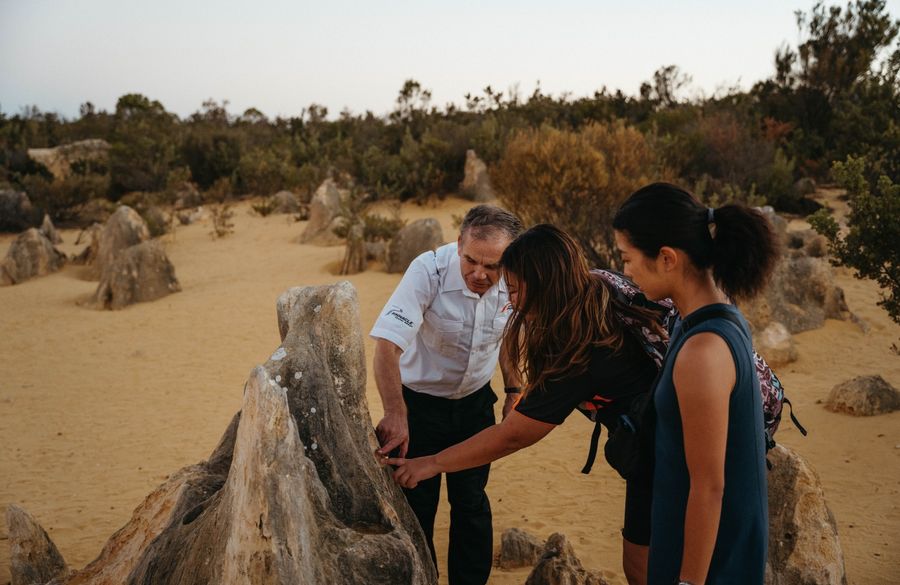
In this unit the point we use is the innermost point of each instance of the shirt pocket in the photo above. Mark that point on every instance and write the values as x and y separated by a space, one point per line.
442 335
498 326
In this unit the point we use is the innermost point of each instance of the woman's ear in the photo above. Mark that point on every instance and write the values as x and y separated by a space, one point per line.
668 258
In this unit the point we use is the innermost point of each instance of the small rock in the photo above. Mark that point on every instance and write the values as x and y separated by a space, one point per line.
49 231
420 236
776 345
31 254
558 565
863 396
519 549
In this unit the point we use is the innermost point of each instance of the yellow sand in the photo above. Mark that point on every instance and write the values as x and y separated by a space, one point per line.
98 407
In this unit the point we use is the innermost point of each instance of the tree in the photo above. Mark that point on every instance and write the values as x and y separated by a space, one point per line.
143 145
575 180
870 244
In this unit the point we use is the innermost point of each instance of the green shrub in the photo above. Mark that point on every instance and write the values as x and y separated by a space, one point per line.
60 198
266 171
870 246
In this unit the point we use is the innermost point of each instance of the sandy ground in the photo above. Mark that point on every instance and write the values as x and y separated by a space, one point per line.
97 408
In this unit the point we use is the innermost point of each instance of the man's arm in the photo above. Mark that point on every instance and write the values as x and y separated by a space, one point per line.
511 379
392 430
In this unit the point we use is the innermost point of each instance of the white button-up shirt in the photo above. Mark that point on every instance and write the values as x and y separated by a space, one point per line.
450 336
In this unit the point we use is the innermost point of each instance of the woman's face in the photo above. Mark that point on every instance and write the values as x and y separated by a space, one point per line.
516 288
640 269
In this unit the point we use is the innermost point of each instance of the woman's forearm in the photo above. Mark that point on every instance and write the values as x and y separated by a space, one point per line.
701 526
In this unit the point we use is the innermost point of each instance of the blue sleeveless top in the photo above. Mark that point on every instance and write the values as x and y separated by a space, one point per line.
742 540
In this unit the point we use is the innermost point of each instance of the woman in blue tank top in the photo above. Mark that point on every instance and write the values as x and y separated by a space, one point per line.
709 515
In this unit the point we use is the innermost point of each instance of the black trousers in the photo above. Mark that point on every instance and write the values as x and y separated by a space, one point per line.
435 424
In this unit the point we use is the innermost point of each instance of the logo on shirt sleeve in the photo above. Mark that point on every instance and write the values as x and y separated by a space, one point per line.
397 313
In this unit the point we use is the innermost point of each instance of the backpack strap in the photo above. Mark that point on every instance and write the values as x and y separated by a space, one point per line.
592 450
794 418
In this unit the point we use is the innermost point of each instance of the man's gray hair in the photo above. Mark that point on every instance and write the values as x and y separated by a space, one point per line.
484 221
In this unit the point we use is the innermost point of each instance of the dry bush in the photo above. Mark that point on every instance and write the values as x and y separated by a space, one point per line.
576 180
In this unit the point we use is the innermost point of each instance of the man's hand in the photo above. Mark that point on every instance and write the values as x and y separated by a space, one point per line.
512 399
393 433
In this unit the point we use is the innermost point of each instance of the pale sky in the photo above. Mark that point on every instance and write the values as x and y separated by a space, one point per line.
280 56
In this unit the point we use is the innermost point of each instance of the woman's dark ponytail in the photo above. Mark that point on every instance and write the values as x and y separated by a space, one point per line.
737 242
744 250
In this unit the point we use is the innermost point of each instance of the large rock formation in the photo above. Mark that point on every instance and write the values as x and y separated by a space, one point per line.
16 211
323 215
804 548
476 184
139 273
59 160
31 254
863 396
293 493
559 566
123 229
413 239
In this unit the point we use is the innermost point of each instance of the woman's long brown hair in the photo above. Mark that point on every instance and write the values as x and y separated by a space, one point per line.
563 311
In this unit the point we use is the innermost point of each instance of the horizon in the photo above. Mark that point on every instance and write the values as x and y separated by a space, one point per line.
280 57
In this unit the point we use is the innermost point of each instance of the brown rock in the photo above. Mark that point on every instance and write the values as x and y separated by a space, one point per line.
49 231
192 216
355 253
413 239
476 184
323 216
139 274
31 254
16 211
89 254
776 345
33 556
519 549
558 565
801 295
376 251
188 196
863 396
59 159
123 229
804 548
286 202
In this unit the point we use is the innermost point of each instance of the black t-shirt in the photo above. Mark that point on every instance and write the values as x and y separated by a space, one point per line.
615 378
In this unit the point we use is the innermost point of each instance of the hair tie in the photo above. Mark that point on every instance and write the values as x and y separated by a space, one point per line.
711 222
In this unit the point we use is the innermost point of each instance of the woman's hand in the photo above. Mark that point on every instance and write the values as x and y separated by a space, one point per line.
409 472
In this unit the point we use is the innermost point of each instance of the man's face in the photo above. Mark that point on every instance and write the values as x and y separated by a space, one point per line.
479 260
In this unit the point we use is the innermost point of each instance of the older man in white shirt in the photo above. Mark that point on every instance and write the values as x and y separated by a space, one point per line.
437 345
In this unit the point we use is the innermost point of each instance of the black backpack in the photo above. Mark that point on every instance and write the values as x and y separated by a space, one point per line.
629 448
